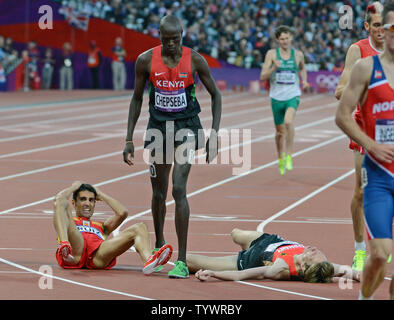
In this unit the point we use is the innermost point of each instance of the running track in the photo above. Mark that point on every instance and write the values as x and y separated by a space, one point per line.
50 139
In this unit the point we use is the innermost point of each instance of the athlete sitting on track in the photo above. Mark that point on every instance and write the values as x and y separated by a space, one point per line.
83 243
269 256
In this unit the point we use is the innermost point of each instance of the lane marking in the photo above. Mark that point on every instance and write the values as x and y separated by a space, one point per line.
102 156
261 226
18 266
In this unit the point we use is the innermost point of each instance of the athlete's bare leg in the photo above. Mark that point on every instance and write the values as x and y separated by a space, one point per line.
244 237
289 125
63 212
180 176
357 200
196 262
159 180
136 235
375 266
280 138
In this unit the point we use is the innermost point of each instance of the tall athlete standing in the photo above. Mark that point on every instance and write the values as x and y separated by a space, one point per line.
174 124
372 85
370 46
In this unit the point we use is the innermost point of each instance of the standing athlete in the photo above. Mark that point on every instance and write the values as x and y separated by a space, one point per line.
372 85
174 124
281 66
371 46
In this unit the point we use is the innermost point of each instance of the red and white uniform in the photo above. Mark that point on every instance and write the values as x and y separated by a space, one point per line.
378 112
93 235
366 49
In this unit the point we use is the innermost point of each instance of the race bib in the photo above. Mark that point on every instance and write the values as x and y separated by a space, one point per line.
170 101
285 77
384 131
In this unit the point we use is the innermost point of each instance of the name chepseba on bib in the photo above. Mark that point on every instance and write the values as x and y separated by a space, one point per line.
170 101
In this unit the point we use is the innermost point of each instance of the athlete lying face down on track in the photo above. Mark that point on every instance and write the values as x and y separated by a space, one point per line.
84 243
269 256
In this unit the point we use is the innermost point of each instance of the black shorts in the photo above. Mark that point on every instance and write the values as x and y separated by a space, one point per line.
172 134
257 254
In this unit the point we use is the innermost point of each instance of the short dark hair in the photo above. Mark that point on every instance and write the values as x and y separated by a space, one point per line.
283 29
388 7
83 187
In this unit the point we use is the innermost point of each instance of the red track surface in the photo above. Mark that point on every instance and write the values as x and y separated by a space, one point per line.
47 142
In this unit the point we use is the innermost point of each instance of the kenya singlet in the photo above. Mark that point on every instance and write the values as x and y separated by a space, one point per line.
172 90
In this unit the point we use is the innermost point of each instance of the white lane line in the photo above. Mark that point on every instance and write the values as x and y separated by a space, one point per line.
261 226
222 182
111 136
283 291
46 275
102 156
146 171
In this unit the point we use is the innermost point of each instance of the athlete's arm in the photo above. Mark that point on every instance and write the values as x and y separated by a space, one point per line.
270 65
353 94
120 212
200 65
352 55
141 76
302 68
278 271
62 208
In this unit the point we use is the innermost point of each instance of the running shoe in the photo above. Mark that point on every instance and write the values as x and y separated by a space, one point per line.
281 165
359 260
289 163
159 268
180 271
159 258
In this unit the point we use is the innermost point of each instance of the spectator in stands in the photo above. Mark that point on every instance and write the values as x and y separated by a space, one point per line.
47 69
118 67
94 62
223 22
66 69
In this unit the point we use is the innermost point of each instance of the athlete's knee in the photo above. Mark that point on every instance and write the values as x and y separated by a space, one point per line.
178 191
139 228
358 194
379 257
159 195
235 233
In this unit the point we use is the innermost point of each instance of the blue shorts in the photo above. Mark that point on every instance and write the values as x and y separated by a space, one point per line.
378 187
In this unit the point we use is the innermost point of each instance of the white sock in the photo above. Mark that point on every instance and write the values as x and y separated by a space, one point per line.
361 297
360 246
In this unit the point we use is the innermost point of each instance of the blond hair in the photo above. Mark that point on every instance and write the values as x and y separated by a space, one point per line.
321 272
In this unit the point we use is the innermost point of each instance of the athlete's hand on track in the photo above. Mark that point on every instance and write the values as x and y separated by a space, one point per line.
383 152
203 275
128 153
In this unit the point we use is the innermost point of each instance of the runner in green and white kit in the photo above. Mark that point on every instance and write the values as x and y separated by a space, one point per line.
281 67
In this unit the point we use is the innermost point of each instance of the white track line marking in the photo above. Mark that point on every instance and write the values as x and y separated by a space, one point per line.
261 226
18 266
102 156
284 291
